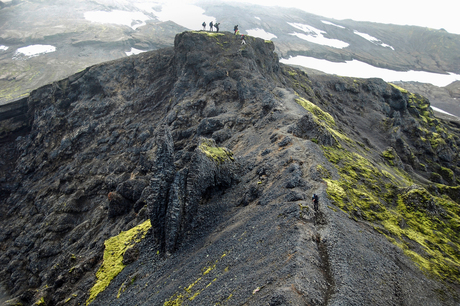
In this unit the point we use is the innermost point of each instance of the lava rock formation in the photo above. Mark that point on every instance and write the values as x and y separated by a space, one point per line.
219 148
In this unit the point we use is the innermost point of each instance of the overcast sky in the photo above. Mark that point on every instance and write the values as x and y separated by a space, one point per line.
433 14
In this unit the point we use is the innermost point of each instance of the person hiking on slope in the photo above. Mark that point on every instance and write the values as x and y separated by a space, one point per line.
210 26
315 199
216 25
243 42
235 28
204 26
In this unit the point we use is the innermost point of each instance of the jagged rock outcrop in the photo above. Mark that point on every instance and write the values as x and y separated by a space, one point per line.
443 98
220 147
175 195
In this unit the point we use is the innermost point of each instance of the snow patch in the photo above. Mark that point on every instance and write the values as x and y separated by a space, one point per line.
306 28
261 34
373 40
130 19
256 17
359 69
3 48
34 50
134 51
442 111
316 36
332 24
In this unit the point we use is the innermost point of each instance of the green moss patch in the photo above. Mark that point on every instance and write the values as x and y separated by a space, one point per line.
424 225
115 248
323 171
421 104
323 119
399 88
212 34
315 110
189 293
432 225
390 155
215 153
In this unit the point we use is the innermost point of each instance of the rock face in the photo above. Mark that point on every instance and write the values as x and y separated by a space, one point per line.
176 195
454 89
445 98
222 147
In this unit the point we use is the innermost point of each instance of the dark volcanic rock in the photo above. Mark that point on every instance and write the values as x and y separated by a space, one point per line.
444 98
173 204
118 205
132 188
396 99
208 141
131 255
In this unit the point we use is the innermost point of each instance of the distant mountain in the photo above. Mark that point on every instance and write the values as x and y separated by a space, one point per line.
454 89
382 45
185 175
80 43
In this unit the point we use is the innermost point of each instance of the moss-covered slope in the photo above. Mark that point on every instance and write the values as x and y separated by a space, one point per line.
396 165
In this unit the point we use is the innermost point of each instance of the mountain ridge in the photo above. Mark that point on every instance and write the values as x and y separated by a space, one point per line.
221 146
80 43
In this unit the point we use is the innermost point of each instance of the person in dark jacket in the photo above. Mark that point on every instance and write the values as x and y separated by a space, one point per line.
204 26
315 200
210 26
216 25
235 29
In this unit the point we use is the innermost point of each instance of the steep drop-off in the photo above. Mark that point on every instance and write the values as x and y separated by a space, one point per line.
184 176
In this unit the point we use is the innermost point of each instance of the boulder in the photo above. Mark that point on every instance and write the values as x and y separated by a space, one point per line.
118 205
132 188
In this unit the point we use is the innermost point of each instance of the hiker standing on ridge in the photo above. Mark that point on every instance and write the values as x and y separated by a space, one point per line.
204 25
210 26
243 42
315 199
235 29
216 25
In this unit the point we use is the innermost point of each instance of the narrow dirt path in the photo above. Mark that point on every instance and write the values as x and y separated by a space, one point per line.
320 222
